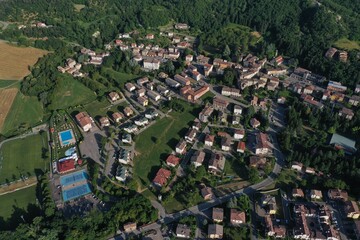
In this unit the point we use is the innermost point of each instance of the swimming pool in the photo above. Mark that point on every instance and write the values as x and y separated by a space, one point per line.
73 178
66 137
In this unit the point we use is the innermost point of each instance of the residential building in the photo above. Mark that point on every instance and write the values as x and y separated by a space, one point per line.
189 58
198 158
338 194
254 101
217 215
281 100
117 117
257 162
237 110
150 36
357 88
190 135
262 144
141 92
182 80
151 114
126 138
151 64
84 121
209 140
298 193
352 209
207 193
162 177
241 147
310 170
230 92
128 111
235 120
225 144
297 166
121 173
254 123
330 52
196 125
316 194
220 104
336 87
269 202
104 122
162 90
153 95
237 217
354 100
143 101
124 154
346 113
172 83
181 26
191 94
130 128
129 227
341 142
183 231
216 163
172 160
141 121
181 147
215 231
305 75
206 113
114 96
239 134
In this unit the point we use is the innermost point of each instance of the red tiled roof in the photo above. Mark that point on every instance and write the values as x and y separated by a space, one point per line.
162 176
65 166
236 216
172 159
241 145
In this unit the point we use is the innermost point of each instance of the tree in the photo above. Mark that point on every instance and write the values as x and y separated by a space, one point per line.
227 51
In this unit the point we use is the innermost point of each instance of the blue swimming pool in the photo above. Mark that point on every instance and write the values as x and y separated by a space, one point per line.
73 178
66 137
76 192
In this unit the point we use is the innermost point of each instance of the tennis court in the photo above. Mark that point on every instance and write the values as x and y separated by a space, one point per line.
66 137
76 192
73 178
74 185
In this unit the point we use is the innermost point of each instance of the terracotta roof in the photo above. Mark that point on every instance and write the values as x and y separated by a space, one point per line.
162 176
237 216
65 166
218 214
173 160
241 146
209 138
83 119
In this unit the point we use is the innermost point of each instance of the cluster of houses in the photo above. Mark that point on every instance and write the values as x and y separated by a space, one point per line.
123 166
71 67
340 55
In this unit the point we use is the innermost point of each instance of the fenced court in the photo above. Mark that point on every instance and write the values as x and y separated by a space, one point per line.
74 185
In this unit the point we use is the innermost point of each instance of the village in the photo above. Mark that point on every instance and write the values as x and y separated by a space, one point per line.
229 126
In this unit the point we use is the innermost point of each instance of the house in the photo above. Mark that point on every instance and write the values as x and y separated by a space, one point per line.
254 101
225 144
162 176
239 134
196 125
128 111
343 56
130 128
64 166
237 217
117 117
215 231
190 135
237 110
357 88
121 173
181 147
354 100
340 142
217 215
163 90
183 231
150 85
143 101
230 92
104 122
84 121
207 193
336 87
316 194
172 83
297 166
141 92
308 89
216 163
330 52
198 158
352 209
298 193
275 231
126 138
129 227
182 80
141 121
254 123
209 140
257 162
281 100
206 113
151 64
149 36
114 96
153 95
124 154
346 113
262 144
310 170
220 104
172 160
269 202
181 26
151 114
235 120
338 194
189 58
241 147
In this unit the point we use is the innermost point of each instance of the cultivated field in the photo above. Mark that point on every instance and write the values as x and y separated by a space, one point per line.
347 44
7 97
23 157
15 61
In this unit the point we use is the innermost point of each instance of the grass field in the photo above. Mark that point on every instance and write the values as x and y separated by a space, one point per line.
70 92
347 44
7 97
19 199
7 83
25 112
15 61
159 140
120 77
22 157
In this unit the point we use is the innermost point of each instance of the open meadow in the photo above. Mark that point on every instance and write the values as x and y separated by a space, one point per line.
15 61
7 97
23 157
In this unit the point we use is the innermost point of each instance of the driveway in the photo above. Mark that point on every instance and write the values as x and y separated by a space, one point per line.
90 146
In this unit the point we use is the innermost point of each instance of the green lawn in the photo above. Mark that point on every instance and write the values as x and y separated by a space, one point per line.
120 77
25 112
22 156
70 92
347 44
6 83
159 140
19 199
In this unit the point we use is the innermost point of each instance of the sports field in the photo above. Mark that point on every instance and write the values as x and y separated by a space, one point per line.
15 61
22 157
24 112
158 141
70 92
19 199
7 97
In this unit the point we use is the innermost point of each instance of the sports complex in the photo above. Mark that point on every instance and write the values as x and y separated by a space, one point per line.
74 185
66 138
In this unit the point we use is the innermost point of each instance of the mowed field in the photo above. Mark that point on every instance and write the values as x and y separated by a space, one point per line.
22 157
7 97
15 61
19 199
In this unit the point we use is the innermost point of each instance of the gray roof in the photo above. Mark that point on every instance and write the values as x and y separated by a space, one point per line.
343 141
